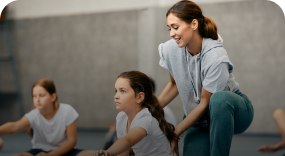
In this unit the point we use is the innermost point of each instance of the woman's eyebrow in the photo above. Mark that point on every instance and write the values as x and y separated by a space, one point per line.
172 24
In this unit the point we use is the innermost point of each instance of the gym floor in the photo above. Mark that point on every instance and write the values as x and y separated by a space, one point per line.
242 145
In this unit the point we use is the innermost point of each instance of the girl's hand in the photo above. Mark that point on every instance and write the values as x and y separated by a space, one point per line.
174 147
266 149
42 154
97 153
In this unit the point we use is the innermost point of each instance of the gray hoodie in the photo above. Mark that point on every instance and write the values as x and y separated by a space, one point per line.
189 71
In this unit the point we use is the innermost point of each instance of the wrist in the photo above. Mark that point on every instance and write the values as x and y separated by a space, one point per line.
108 153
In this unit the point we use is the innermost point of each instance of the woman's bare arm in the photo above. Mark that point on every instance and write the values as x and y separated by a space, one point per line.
195 114
169 93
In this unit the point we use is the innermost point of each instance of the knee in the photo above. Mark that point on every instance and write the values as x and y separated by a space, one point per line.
278 114
219 101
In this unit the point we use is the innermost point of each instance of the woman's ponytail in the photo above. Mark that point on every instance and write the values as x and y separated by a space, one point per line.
209 29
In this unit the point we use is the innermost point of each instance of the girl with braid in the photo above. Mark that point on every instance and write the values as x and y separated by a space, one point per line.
140 124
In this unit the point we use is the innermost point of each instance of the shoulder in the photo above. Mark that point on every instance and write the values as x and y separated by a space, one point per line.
143 113
66 107
144 120
120 117
33 117
144 116
168 46
67 110
32 112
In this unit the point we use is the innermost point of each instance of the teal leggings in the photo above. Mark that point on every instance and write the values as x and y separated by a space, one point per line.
230 113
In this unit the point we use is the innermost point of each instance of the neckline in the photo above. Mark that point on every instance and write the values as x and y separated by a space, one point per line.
126 125
53 115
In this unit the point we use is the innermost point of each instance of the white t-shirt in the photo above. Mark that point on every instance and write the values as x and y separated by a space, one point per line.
50 134
154 144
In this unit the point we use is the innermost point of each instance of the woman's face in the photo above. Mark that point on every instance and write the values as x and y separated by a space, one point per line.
42 98
125 98
179 30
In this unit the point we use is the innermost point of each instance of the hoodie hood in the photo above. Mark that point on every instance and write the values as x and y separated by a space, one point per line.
208 44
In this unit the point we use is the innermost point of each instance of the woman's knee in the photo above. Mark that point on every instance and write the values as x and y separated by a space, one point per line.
219 101
279 114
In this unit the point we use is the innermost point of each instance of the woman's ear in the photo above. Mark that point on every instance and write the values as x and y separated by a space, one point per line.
53 96
140 97
195 24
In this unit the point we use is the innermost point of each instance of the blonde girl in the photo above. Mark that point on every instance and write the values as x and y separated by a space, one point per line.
52 123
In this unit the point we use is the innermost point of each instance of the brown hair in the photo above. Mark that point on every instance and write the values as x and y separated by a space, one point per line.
140 82
49 86
187 11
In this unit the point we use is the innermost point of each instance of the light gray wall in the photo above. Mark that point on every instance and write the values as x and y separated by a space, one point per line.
84 53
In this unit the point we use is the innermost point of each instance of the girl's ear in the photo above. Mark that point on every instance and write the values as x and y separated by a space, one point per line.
53 95
140 97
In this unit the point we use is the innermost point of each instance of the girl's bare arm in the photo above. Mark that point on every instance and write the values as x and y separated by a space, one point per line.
14 127
122 146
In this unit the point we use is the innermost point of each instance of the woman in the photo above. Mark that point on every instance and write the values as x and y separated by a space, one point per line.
201 72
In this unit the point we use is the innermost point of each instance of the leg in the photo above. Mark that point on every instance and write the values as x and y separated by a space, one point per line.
23 154
230 113
279 118
196 142
86 153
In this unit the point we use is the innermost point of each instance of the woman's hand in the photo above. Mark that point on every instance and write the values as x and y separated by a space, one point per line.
97 153
174 147
267 149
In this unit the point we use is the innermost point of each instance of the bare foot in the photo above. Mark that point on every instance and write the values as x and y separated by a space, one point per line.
267 149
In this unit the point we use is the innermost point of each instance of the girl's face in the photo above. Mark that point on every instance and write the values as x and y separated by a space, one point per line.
179 30
42 98
125 98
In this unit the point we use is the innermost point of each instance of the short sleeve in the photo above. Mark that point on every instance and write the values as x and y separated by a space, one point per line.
143 121
162 61
71 115
217 79
32 115
119 124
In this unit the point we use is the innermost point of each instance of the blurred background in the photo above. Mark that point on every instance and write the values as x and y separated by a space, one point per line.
83 45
